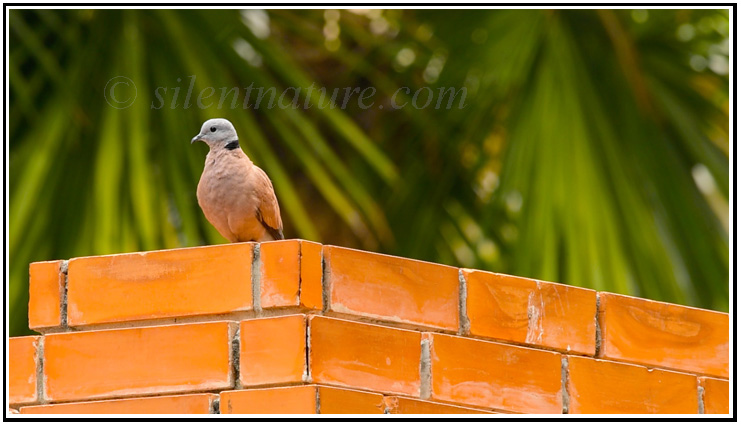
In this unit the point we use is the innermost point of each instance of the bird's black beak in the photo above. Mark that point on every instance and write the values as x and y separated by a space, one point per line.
197 137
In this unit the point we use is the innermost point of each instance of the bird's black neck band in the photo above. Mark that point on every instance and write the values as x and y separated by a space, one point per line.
232 145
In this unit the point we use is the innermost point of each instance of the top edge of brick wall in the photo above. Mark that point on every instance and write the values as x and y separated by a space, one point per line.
167 250
159 284
532 312
670 305
392 288
663 334
219 279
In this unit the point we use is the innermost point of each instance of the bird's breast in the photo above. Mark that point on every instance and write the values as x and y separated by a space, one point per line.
225 186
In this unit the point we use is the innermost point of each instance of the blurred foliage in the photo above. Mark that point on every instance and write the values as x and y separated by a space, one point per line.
592 149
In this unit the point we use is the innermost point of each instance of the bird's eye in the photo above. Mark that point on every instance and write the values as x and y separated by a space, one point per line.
213 129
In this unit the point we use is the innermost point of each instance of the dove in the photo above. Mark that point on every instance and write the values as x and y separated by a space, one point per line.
235 195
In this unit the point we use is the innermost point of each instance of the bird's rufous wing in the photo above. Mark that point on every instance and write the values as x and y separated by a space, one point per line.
268 211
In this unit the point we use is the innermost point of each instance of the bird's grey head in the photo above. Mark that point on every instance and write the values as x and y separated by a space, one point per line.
218 133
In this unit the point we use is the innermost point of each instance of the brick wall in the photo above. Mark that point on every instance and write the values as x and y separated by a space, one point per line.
297 327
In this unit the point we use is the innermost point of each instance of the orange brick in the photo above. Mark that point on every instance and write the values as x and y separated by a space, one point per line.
178 404
301 400
606 387
22 374
400 405
137 361
364 356
392 288
495 375
715 395
345 401
160 284
534 312
280 273
664 335
311 275
45 294
272 350
287 400
291 274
